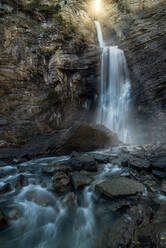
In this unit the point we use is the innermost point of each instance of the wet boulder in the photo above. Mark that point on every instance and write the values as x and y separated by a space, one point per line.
3 220
159 174
84 163
85 137
120 187
61 182
101 158
136 163
79 180
5 188
159 162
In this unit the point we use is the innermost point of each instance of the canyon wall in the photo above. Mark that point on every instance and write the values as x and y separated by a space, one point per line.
48 67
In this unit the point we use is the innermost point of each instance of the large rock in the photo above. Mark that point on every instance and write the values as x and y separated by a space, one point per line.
159 162
85 137
84 162
139 164
79 180
81 138
159 174
120 187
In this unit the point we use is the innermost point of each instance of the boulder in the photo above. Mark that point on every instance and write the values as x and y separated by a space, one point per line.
3 220
79 138
84 163
61 182
159 162
5 188
85 137
101 158
123 229
136 163
79 180
159 174
120 187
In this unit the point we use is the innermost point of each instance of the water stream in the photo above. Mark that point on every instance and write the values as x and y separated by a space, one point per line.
40 218
114 97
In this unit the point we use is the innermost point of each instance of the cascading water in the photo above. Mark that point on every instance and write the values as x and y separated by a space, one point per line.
113 108
40 218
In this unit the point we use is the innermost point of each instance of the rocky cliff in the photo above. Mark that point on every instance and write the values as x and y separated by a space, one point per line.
48 67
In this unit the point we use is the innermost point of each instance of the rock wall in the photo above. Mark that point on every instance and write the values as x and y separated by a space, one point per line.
48 67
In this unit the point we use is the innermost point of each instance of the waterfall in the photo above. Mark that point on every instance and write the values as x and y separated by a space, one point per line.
99 34
113 107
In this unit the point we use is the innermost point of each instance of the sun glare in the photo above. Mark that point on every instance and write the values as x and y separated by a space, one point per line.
97 5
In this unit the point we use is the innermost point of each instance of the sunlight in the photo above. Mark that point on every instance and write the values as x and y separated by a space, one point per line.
97 5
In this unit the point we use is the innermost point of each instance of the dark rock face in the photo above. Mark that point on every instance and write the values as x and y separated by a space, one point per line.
120 187
49 68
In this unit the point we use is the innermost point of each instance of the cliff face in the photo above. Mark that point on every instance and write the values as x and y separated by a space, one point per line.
48 67
139 28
